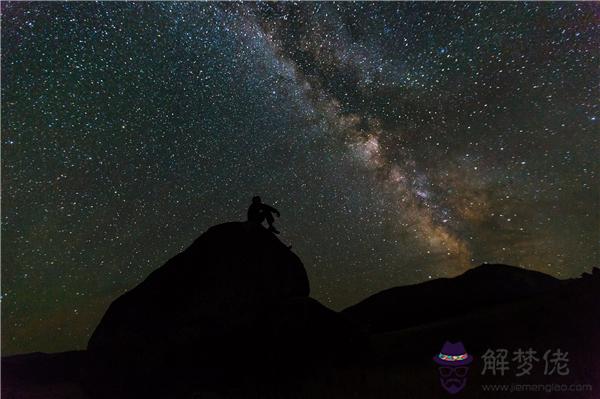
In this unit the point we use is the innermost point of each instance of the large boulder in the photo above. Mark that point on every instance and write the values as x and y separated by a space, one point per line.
233 305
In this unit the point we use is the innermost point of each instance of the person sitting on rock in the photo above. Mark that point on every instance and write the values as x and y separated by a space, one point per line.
257 212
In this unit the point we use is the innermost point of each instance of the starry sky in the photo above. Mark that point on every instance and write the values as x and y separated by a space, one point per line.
401 142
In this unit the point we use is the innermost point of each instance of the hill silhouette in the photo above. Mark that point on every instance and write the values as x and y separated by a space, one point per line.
231 317
478 288
233 305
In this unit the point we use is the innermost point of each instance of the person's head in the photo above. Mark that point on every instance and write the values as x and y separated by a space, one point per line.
256 200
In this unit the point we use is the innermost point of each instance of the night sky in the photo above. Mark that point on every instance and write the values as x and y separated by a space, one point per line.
401 142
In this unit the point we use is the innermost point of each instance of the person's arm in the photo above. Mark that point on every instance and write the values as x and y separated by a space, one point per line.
271 209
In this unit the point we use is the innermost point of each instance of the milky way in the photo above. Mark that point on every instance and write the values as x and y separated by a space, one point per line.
400 141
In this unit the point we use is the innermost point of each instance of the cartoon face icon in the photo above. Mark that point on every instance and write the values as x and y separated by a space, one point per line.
453 366
453 379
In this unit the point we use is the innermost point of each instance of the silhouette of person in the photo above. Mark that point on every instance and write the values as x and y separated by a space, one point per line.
257 212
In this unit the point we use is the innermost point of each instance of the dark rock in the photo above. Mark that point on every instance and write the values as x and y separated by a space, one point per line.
232 305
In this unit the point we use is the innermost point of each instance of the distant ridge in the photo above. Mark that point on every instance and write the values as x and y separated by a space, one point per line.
484 286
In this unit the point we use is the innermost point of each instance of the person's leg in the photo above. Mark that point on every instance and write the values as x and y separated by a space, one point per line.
261 218
270 221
